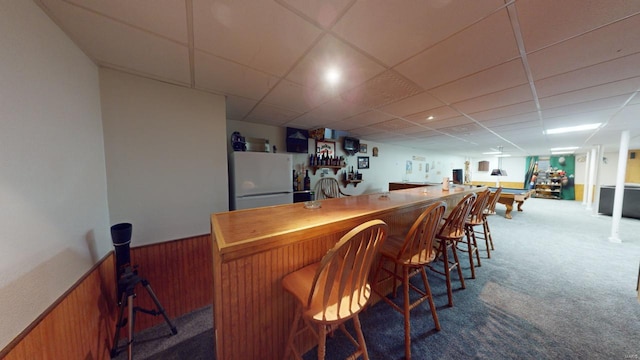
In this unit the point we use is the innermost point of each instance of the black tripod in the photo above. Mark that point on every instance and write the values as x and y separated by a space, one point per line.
126 288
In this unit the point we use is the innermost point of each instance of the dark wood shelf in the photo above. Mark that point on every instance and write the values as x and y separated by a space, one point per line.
335 168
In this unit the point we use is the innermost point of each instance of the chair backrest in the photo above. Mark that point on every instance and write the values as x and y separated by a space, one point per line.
418 243
327 188
453 227
476 214
491 208
340 288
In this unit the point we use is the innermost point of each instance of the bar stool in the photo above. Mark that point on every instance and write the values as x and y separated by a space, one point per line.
490 210
411 253
475 218
451 231
330 292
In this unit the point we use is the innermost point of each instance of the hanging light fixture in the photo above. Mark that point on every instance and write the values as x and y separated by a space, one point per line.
499 171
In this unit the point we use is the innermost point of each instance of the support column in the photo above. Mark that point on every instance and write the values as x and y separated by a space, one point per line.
618 197
587 167
592 175
596 184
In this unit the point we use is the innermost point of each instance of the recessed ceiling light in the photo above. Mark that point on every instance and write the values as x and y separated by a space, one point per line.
565 148
431 117
562 152
491 153
333 76
572 129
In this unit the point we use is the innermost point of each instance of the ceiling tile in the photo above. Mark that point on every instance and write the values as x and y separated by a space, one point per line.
167 18
296 97
123 47
545 22
330 52
513 119
238 107
592 93
375 26
497 99
324 13
213 73
271 115
510 110
458 56
260 34
619 69
439 114
501 77
412 105
393 124
360 120
614 102
441 124
607 43
381 90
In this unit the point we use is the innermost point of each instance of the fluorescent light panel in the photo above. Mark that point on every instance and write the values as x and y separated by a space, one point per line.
562 152
565 148
572 129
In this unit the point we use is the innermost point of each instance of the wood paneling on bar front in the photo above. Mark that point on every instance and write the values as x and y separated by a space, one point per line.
254 249
81 324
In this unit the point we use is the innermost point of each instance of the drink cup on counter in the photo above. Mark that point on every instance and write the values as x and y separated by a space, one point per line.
445 183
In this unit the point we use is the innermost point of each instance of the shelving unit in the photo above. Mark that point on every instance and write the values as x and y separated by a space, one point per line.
335 168
354 182
548 185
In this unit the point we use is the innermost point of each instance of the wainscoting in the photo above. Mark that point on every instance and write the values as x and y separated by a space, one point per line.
81 324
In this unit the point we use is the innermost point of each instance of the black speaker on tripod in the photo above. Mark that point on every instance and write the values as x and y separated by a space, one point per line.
127 277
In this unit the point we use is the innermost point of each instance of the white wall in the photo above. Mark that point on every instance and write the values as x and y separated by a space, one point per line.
514 165
389 166
53 195
166 156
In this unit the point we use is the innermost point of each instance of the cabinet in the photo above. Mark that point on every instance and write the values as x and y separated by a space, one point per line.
549 185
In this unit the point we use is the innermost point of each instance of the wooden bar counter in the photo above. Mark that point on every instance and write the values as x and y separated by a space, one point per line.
254 249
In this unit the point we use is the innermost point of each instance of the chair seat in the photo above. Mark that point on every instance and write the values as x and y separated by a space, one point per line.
299 285
394 244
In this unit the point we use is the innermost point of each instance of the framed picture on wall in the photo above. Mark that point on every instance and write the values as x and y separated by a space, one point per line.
325 147
363 162
363 148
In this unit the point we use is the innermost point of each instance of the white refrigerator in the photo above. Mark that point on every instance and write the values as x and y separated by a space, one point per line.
259 179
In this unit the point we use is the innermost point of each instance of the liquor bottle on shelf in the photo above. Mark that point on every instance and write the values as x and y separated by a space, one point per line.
307 181
295 181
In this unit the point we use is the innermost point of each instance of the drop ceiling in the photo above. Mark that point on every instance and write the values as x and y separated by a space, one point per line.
492 73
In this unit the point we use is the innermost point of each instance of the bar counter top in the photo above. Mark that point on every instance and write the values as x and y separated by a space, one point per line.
254 249
236 231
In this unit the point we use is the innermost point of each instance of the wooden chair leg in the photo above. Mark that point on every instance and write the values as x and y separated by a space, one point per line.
407 311
475 247
447 272
455 257
469 236
487 238
432 305
292 333
360 336
322 341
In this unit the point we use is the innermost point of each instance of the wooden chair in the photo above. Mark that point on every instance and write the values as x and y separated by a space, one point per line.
411 253
490 210
449 233
476 218
327 188
336 289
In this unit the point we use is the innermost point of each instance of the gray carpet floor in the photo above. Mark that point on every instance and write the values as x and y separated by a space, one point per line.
555 288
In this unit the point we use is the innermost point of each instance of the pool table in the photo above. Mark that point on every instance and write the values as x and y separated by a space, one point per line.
508 196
